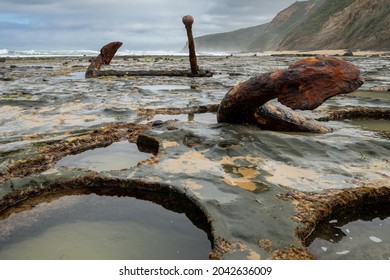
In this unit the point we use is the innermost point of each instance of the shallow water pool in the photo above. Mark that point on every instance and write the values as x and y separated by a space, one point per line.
101 227
356 237
117 156
373 125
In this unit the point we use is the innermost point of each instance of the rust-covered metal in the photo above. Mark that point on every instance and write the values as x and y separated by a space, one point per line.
188 21
153 73
107 52
304 85
277 117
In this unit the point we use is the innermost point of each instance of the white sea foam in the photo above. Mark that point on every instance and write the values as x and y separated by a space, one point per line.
54 53
375 239
343 252
50 53
45 53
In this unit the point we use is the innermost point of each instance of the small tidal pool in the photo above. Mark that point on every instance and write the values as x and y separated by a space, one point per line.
361 234
101 227
119 155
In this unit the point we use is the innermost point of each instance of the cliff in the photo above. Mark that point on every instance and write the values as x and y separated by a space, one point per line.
283 24
237 40
338 24
311 25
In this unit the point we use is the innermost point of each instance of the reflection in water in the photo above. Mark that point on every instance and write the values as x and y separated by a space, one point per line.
117 156
204 118
101 227
373 125
73 75
165 87
371 94
354 234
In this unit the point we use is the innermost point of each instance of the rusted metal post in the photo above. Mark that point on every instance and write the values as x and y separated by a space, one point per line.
107 52
188 21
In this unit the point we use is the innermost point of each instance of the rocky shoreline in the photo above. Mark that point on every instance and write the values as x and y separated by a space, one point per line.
49 110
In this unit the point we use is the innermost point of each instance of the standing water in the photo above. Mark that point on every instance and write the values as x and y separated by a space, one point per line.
360 234
101 227
119 155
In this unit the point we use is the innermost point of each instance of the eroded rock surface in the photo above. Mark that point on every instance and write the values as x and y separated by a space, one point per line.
252 185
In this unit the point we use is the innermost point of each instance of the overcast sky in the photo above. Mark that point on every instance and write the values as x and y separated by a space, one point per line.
139 24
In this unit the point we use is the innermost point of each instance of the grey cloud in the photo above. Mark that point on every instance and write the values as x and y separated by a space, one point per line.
153 24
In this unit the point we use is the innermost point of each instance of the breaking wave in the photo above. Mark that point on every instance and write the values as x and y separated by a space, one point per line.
54 53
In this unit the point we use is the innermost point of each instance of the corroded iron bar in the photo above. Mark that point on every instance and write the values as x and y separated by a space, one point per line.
107 52
304 85
155 73
277 117
188 21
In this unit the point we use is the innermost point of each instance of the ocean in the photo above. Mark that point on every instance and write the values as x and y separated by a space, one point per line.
54 53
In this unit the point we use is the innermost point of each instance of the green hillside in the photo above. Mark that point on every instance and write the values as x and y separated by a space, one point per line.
311 25
285 22
237 40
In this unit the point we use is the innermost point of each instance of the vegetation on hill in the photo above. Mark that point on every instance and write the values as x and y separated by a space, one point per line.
309 25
